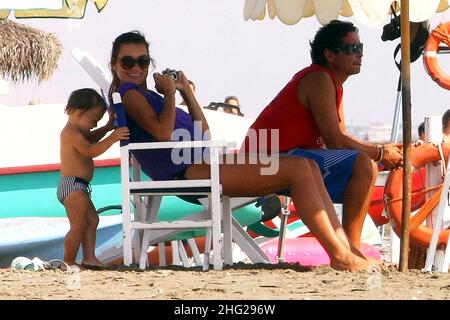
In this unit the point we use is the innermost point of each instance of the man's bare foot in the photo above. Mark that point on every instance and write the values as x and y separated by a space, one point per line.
349 262
93 264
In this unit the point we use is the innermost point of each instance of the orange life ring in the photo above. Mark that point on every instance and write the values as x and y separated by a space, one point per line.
438 35
419 234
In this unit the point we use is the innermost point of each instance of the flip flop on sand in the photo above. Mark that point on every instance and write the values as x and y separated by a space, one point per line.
36 264
57 264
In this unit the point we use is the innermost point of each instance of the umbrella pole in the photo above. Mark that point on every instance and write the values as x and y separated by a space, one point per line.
406 113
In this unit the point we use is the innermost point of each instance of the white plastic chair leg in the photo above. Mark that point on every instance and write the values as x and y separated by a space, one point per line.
437 228
162 254
175 253
183 254
195 252
247 244
227 233
216 232
207 252
143 256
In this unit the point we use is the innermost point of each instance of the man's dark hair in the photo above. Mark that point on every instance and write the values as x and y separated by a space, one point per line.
84 99
445 119
228 98
421 129
329 37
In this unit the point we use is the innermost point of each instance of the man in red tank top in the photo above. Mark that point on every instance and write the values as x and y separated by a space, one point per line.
308 113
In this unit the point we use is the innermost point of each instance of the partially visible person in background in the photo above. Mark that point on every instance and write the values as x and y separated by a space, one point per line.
446 126
34 102
192 85
421 132
234 101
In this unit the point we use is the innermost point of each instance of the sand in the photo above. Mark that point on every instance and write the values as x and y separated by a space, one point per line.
242 281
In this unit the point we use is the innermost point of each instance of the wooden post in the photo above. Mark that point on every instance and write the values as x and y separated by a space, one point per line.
406 113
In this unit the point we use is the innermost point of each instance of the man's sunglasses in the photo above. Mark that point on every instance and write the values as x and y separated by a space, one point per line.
351 48
128 62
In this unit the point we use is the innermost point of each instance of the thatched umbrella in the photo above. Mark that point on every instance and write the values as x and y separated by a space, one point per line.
27 53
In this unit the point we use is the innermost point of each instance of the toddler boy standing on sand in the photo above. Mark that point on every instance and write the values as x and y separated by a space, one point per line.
78 146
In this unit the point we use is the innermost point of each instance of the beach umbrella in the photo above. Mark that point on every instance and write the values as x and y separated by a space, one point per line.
74 9
369 12
27 53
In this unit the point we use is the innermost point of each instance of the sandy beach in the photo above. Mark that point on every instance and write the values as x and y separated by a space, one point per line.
242 281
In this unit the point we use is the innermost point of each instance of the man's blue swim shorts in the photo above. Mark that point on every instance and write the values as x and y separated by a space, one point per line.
336 166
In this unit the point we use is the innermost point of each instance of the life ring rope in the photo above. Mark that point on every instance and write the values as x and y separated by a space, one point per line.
420 234
423 213
416 193
443 162
442 34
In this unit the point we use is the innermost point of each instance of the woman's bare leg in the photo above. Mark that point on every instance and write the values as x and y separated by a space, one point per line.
295 174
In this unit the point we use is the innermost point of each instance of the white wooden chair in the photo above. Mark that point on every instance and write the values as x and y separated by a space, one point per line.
141 229
146 211
145 216
147 196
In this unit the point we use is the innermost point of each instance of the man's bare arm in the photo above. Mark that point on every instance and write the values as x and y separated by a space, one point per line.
317 91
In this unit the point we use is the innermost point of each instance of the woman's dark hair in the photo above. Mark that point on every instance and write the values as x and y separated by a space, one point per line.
134 37
329 37
84 99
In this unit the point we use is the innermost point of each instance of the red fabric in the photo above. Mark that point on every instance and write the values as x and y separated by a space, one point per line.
295 122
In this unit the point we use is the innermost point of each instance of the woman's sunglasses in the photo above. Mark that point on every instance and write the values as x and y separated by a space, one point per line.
351 48
128 62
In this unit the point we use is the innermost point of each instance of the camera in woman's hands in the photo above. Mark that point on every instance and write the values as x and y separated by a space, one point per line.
172 73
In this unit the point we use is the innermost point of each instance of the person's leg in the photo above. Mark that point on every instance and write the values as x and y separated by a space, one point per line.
335 168
349 177
340 232
77 208
357 197
294 174
88 243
